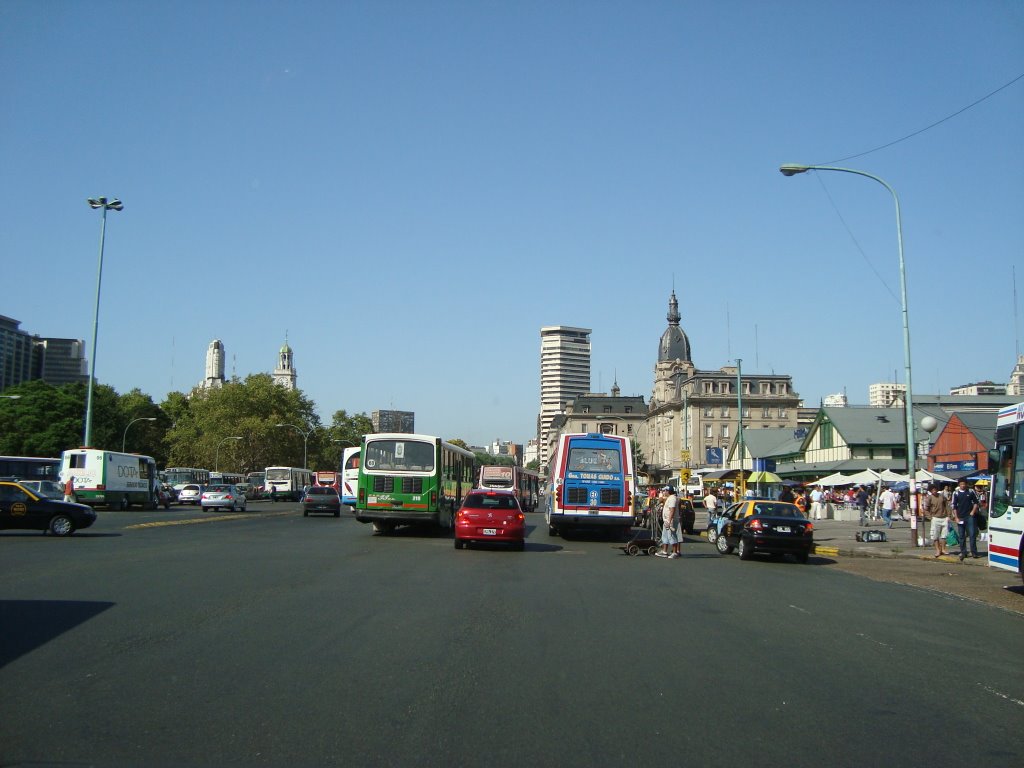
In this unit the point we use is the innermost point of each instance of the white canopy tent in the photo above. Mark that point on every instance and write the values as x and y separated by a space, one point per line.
830 481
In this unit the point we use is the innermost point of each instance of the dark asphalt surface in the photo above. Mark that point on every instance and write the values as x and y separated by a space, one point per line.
273 639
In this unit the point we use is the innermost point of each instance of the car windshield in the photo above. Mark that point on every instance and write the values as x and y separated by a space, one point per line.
192 488
219 489
490 501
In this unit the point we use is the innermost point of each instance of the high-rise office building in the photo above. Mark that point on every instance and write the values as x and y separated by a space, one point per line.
393 421
25 357
564 375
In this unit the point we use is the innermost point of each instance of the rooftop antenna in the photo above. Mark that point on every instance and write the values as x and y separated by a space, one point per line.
728 334
1016 327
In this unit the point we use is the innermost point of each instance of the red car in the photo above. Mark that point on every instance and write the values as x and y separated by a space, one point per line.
490 515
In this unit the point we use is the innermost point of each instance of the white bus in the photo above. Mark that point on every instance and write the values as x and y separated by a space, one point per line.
287 482
349 475
1006 500
116 480
179 477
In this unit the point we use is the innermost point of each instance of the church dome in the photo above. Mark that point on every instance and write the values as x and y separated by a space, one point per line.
674 344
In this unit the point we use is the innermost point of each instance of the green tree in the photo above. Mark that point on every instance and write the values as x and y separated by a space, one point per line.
250 409
459 442
48 420
145 437
326 446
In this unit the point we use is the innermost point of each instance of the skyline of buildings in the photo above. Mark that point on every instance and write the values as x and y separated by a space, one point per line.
564 375
26 357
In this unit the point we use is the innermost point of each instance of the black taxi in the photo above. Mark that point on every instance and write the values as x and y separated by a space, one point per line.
22 509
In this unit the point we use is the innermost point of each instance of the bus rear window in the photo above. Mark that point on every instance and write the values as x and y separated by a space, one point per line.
594 460
406 455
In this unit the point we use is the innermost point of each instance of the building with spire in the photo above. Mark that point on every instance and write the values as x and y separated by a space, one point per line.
693 417
285 373
214 365
1016 385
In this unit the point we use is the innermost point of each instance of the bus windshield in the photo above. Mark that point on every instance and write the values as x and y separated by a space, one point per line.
399 454
278 474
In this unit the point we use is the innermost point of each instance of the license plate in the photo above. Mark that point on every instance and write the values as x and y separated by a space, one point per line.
490 531
783 529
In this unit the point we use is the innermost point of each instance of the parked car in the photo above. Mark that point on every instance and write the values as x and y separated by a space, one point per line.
773 526
190 494
216 497
490 515
20 508
321 498
687 515
46 488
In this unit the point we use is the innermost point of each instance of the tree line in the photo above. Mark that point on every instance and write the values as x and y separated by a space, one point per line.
187 430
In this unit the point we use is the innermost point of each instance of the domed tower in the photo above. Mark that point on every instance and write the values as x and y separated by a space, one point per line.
674 343
674 360
285 373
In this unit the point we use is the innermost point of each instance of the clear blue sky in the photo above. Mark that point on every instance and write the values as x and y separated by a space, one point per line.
411 190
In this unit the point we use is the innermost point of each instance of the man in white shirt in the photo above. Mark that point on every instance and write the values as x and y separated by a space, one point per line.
887 503
817 497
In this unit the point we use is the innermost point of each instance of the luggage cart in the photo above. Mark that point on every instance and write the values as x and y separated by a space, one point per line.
648 538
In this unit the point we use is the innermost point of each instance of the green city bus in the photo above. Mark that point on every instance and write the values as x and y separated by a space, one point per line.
406 479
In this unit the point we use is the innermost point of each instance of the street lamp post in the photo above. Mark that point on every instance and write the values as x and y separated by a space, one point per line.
106 205
908 402
124 437
305 441
216 460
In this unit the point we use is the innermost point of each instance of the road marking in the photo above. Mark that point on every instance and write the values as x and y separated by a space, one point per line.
802 610
872 640
994 692
196 520
825 550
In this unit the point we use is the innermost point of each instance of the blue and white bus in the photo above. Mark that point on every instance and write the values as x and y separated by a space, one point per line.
349 472
1006 500
592 483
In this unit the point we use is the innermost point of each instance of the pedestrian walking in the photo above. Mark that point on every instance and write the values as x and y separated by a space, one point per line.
965 509
935 507
670 523
801 501
69 488
861 500
888 502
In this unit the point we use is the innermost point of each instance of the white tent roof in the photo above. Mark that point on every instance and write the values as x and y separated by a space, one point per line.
836 478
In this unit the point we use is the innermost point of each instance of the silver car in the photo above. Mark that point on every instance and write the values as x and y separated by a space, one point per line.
222 497
190 494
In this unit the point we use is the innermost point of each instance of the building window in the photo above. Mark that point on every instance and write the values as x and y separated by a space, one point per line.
709 430
607 429
586 409
746 387
629 429
708 411
782 413
766 412
607 409
708 387
583 427
746 412
725 431
766 388
827 435
725 411
629 409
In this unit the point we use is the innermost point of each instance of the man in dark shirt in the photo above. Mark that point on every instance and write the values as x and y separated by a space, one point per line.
862 504
965 509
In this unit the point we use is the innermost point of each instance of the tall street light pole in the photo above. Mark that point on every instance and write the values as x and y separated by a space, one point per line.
124 438
216 460
305 441
107 205
908 401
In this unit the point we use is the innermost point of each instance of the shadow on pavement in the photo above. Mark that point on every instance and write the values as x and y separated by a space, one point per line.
29 624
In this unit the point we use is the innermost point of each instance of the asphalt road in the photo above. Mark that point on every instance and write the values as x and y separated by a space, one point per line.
273 639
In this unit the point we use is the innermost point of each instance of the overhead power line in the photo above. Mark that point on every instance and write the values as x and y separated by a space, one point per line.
927 127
